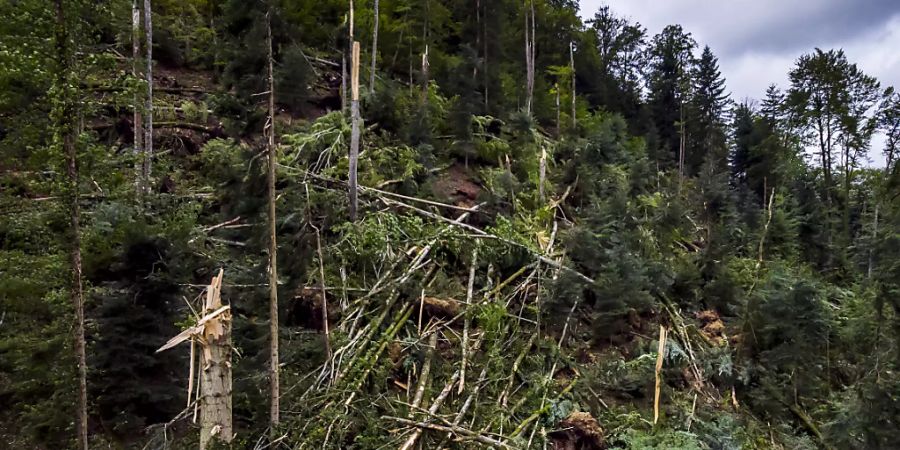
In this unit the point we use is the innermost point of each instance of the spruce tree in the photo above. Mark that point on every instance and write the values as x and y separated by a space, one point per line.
670 55
709 104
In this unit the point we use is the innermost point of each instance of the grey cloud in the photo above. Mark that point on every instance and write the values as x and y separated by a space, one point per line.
733 27
830 22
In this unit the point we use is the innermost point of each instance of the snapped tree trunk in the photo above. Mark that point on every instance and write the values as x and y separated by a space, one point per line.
374 51
65 130
213 334
148 108
138 115
660 355
215 362
275 389
354 133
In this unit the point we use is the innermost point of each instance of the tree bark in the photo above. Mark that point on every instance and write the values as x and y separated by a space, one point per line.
542 175
660 355
558 126
66 134
274 370
343 82
484 42
871 264
354 133
215 361
148 129
374 51
138 115
572 69
529 63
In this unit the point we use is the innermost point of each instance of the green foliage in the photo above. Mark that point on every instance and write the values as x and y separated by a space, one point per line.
790 305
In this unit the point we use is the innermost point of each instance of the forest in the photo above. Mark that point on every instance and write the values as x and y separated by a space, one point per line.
422 224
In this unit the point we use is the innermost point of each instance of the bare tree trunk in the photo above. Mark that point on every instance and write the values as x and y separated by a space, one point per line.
343 81
352 11
477 46
660 355
138 115
572 69
374 51
348 48
681 149
65 128
354 133
533 51
874 238
484 41
425 76
542 176
148 129
275 388
558 126
529 67
215 361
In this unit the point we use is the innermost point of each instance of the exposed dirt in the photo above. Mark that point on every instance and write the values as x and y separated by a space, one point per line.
440 308
579 431
457 186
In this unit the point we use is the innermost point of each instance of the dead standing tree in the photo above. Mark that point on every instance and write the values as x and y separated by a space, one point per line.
572 70
64 117
374 51
138 114
529 56
213 334
354 132
271 151
148 108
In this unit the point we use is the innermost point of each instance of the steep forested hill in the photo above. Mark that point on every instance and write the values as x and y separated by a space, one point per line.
492 224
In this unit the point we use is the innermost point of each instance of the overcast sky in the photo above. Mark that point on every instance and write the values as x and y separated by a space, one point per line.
757 41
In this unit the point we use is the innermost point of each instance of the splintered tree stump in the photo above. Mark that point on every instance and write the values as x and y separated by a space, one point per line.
213 334
215 366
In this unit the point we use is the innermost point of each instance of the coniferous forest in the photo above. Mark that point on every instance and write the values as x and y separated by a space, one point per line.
422 224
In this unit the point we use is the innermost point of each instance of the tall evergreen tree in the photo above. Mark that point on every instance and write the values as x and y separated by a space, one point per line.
706 121
742 138
772 106
670 58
